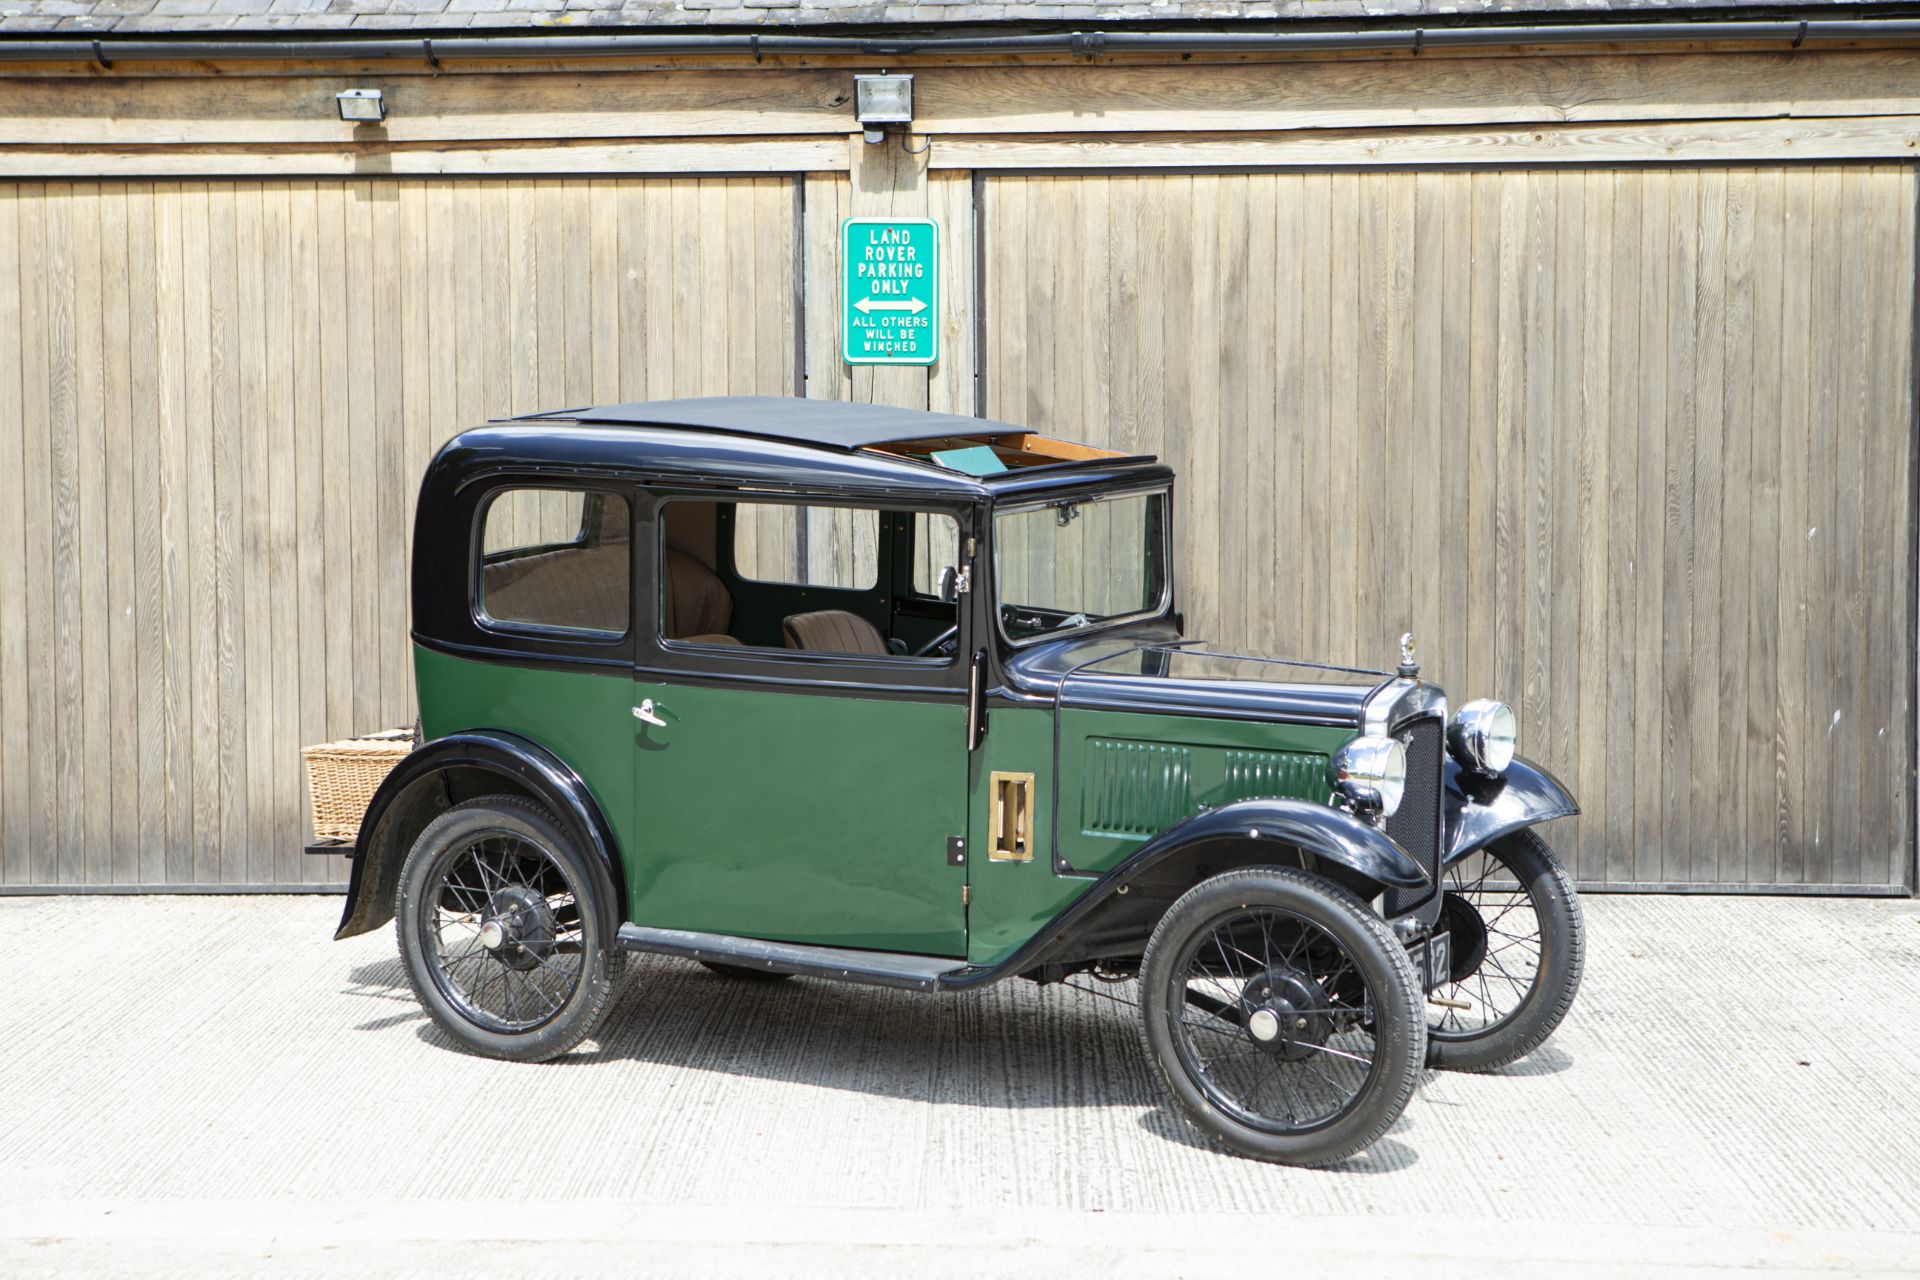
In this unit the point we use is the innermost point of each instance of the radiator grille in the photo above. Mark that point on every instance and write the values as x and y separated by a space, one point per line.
1415 825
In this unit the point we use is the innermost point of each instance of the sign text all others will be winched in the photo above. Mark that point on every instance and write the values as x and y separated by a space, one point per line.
890 289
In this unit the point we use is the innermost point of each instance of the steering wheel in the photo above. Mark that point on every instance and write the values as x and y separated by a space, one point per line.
942 643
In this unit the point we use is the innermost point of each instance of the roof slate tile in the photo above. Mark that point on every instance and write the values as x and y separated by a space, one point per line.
39 17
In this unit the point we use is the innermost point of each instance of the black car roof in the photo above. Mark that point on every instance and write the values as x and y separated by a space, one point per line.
823 444
829 424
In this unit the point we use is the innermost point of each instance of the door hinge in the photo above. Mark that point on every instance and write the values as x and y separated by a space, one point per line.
966 894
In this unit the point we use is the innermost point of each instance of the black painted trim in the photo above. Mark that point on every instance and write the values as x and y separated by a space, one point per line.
1479 810
901 970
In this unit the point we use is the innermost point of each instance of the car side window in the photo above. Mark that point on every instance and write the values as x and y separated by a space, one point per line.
806 577
807 546
556 559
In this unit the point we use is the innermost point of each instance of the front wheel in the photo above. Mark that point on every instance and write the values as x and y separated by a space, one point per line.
1518 947
1283 1016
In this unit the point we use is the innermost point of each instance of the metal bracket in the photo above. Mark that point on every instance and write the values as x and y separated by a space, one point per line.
956 851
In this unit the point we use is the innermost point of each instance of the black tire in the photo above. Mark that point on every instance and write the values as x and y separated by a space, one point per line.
743 973
1346 975
506 860
1520 951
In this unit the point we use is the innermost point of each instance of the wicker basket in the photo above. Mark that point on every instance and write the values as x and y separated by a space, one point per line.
342 777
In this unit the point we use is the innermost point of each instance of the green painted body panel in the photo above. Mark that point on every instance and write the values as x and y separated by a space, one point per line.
1126 777
813 818
801 817
582 716
1011 901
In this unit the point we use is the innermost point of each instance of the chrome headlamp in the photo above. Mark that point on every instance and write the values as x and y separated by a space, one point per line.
1482 737
1371 773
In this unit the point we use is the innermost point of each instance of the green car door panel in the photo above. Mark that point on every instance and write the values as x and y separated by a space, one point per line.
819 817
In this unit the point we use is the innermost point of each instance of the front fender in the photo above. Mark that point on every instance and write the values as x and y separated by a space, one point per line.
1481 810
1329 834
420 788
1118 911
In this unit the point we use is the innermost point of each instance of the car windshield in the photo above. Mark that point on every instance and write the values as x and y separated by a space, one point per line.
1071 565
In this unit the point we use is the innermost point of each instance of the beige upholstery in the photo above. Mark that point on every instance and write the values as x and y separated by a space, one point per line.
833 631
575 587
712 639
698 606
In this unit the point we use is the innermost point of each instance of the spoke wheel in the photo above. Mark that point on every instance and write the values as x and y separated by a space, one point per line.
501 930
1282 1015
504 934
1518 947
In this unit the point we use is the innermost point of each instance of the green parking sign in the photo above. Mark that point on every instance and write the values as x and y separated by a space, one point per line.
890 290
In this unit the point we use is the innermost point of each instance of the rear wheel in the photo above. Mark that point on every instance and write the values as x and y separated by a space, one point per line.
1282 1015
501 932
1518 947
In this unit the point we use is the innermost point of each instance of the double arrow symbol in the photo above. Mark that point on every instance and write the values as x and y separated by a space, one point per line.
867 306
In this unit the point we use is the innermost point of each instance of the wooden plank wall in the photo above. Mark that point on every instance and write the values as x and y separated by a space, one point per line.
212 424
1626 448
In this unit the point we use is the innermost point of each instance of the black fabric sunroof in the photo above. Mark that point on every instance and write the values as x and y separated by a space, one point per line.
829 423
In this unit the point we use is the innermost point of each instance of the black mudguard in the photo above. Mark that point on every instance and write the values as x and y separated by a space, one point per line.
1481 810
1115 915
423 785
1329 834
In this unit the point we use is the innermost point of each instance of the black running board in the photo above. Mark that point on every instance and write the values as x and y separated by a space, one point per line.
843 964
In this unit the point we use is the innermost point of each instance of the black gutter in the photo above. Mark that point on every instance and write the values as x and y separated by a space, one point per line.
108 50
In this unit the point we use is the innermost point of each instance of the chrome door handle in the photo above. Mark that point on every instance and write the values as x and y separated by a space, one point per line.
645 712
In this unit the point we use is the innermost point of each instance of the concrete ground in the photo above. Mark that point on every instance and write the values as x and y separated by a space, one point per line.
211 1086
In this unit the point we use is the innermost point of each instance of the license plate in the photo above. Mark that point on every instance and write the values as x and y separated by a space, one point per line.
1438 957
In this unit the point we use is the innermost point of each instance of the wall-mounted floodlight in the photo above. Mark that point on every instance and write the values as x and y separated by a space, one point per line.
881 100
361 106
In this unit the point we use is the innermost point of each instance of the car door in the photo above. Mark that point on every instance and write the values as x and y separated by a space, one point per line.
796 777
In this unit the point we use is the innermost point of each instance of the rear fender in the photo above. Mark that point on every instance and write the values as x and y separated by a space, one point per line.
457 767
1481 810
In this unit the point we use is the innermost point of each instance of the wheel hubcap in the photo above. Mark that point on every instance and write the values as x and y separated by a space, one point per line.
1289 1018
504 933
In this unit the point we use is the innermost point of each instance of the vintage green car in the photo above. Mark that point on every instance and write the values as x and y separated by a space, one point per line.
890 697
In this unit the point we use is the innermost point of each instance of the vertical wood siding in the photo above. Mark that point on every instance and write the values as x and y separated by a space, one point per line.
1626 448
213 417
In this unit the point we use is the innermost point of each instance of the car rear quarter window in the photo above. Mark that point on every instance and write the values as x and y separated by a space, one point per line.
556 559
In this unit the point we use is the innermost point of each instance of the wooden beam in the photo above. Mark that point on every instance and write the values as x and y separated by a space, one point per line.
714 155
1750 141
1379 93
266 110
1404 93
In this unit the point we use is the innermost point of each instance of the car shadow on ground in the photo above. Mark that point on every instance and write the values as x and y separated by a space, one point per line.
965 1049
1384 1156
